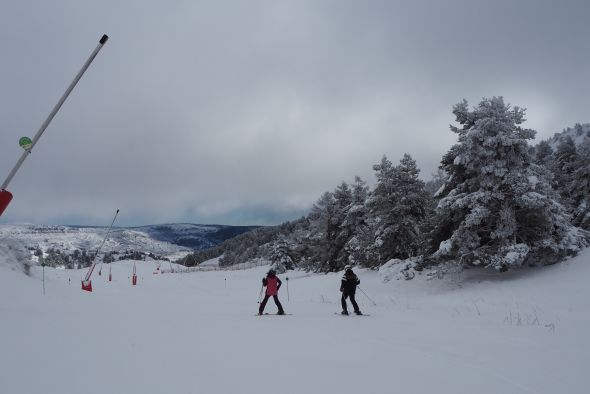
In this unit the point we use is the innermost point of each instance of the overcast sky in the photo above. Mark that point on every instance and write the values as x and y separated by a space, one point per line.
245 112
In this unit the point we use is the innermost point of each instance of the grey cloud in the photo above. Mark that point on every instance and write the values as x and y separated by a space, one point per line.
206 111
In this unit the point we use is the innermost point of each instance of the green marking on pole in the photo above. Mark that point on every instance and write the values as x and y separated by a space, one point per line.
25 143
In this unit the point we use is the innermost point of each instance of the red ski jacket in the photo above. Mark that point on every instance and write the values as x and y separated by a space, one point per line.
272 284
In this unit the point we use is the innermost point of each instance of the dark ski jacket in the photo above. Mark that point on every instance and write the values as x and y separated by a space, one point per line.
349 282
272 283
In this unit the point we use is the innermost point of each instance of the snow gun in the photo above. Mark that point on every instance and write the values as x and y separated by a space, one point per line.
86 282
27 144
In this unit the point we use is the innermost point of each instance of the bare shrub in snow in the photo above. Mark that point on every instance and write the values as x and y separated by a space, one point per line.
13 253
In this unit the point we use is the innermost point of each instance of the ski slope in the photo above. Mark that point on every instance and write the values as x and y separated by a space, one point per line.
198 333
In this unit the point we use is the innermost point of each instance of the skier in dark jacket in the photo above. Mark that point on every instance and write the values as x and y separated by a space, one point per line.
273 284
348 287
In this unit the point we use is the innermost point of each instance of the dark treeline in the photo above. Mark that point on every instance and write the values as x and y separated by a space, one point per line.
496 202
81 258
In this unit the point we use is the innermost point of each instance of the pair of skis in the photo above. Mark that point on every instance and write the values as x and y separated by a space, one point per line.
350 314
273 314
290 314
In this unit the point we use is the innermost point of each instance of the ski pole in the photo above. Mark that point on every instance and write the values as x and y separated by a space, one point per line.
369 298
260 295
31 143
43 264
288 298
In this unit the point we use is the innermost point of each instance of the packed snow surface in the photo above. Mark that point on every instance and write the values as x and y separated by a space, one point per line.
471 332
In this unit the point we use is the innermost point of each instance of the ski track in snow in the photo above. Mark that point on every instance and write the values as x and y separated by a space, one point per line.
197 332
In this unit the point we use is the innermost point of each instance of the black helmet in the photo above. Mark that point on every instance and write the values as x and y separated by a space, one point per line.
271 272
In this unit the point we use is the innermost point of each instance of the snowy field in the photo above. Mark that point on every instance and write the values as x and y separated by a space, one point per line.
198 333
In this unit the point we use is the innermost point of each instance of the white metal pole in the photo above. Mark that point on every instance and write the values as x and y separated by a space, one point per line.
89 274
63 98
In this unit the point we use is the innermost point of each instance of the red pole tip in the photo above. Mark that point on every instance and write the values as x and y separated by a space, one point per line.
5 198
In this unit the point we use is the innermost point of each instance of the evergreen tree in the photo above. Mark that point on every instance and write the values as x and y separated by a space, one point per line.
359 246
562 167
398 204
543 154
579 189
379 204
56 258
281 255
327 217
494 210
343 198
323 232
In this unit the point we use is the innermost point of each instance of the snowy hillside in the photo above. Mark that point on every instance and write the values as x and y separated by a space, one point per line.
163 240
475 332
577 134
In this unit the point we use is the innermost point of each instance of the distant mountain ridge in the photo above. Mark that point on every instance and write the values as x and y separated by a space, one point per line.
162 239
194 236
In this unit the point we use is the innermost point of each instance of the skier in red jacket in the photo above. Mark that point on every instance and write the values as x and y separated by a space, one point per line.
273 284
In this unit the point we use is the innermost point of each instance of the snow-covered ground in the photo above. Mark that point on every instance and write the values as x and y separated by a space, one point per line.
198 333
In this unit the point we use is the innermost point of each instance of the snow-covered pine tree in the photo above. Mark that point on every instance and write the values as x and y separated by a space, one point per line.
563 167
542 157
326 241
411 209
579 189
359 246
281 255
398 205
494 210
360 192
380 202
343 198
323 231
543 154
